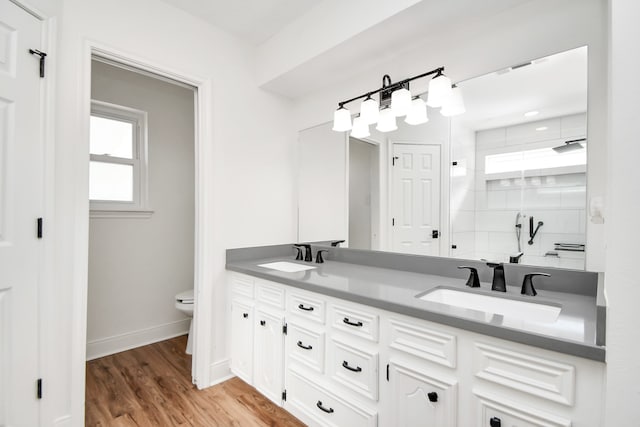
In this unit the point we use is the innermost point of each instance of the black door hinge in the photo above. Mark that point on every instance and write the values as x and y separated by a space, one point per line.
284 329
39 388
435 234
39 228
42 56
393 160
454 163
284 395
387 372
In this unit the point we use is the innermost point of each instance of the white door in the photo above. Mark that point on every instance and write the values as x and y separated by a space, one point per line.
415 208
269 355
242 340
418 399
21 164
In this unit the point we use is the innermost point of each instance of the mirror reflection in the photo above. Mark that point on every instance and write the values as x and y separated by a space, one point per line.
519 156
505 181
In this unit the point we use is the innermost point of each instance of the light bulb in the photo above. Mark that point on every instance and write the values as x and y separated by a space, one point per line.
360 128
401 102
387 121
455 104
369 111
341 120
418 113
439 91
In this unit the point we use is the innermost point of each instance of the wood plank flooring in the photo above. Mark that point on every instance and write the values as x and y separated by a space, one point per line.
151 386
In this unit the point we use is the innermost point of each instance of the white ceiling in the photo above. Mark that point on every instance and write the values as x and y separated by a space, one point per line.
251 20
555 86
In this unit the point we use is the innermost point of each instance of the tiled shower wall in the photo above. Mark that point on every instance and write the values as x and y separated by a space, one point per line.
556 197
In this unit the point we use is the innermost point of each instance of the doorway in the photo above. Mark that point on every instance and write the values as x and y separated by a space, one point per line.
364 194
415 198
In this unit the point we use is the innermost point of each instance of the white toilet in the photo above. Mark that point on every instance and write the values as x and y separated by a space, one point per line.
184 303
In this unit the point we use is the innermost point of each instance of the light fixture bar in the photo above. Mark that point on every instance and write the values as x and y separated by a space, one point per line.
389 87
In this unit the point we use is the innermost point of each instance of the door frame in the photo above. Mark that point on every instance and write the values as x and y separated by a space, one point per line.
203 271
445 229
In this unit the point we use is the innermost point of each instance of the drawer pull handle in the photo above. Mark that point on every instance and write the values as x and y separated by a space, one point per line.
302 307
348 322
345 365
245 315
304 347
328 411
262 323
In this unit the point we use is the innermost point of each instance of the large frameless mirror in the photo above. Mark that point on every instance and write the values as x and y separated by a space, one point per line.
505 181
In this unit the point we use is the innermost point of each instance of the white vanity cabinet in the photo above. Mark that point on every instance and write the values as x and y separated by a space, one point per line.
348 364
257 334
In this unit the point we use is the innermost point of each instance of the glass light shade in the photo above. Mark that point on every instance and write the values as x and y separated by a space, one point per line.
455 105
418 113
341 120
360 128
369 111
387 121
439 91
401 102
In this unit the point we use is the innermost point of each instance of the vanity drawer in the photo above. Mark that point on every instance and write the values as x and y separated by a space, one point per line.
270 293
416 338
356 368
306 305
242 285
528 373
355 321
316 405
306 346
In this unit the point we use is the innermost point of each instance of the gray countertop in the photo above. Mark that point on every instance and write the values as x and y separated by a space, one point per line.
394 290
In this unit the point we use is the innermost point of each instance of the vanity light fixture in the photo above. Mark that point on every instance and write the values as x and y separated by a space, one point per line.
387 121
455 105
360 128
395 100
341 119
418 113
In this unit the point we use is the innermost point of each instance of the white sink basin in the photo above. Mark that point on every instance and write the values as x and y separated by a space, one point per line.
527 311
287 267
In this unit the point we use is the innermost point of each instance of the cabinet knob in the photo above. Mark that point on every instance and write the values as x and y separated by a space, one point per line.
495 422
433 396
245 315
262 323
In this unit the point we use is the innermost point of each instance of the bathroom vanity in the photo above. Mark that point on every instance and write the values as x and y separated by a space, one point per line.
379 339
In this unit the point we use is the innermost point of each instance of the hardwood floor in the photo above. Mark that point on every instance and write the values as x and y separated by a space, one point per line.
151 386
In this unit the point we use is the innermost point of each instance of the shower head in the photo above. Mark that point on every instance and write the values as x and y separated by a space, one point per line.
571 145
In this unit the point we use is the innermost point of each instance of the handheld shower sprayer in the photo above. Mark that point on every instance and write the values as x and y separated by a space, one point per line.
518 230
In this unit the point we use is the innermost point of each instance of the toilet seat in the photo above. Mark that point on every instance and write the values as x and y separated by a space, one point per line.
185 297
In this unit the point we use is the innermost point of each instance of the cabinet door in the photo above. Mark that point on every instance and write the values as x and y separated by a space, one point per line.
420 399
269 354
242 321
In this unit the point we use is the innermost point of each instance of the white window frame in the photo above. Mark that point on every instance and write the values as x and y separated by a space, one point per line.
139 207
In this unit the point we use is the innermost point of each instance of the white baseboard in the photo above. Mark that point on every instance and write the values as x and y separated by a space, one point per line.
115 344
63 421
220 371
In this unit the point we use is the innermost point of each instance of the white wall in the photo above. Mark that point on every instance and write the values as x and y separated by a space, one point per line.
138 265
251 162
510 37
622 280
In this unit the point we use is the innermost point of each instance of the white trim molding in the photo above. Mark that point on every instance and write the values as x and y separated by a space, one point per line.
122 342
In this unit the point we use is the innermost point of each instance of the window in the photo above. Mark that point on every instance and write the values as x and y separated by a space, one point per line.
118 160
542 158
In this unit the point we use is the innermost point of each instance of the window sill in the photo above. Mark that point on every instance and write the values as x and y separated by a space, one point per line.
128 214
